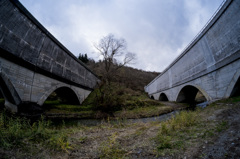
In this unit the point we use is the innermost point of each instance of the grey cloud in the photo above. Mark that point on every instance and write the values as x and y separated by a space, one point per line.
156 30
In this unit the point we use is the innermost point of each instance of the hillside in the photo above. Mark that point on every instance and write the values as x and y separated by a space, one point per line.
132 78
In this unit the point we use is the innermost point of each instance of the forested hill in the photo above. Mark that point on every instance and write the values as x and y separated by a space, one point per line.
130 77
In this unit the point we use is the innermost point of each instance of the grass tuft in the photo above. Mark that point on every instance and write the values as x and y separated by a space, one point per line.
172 132
17 132
111 148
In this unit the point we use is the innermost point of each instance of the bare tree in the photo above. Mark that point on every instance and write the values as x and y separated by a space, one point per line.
110 48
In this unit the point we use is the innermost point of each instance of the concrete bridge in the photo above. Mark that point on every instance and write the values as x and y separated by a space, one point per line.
210 64
33 64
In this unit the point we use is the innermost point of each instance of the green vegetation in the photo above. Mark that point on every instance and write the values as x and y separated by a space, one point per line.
122 103
177 136
188 128
142 112
111 148
174 133
16 132
231 100
120 97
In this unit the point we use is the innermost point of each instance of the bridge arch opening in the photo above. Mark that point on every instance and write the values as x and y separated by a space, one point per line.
2 101
236 89
152 97
5 93
191 95
163 97
9 97
63 95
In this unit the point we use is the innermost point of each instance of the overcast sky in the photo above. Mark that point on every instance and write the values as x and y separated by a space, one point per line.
157 31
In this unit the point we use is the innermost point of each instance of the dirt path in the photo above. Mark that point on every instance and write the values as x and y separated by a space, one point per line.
227 143
136 140
133 140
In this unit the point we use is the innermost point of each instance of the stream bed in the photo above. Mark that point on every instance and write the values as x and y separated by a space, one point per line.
95 122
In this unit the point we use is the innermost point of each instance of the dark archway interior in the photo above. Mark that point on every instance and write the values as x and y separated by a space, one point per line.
191 95
5 93
152 97
236 89
163 97
65 96
2 100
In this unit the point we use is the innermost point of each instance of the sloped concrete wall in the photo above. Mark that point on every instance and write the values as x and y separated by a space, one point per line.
209 62
33 87
23 36
34 63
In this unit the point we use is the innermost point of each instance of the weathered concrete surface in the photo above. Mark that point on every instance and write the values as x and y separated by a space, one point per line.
210 63
33 63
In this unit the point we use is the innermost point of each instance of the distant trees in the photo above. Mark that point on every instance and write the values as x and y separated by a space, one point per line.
83 58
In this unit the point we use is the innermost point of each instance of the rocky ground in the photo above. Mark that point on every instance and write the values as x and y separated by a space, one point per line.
227 143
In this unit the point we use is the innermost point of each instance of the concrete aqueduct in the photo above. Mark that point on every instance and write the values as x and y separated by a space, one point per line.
210 64
33 64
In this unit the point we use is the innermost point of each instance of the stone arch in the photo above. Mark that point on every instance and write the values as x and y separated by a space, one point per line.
232 87
163 97
12 99
62 90
188 93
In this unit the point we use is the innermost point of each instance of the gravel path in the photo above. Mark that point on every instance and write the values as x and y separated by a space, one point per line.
227 144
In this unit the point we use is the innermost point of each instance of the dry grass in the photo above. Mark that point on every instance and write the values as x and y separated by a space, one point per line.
181 136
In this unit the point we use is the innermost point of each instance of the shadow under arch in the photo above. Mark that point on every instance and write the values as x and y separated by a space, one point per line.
234 87
163 97
9 93
65 93
192 95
